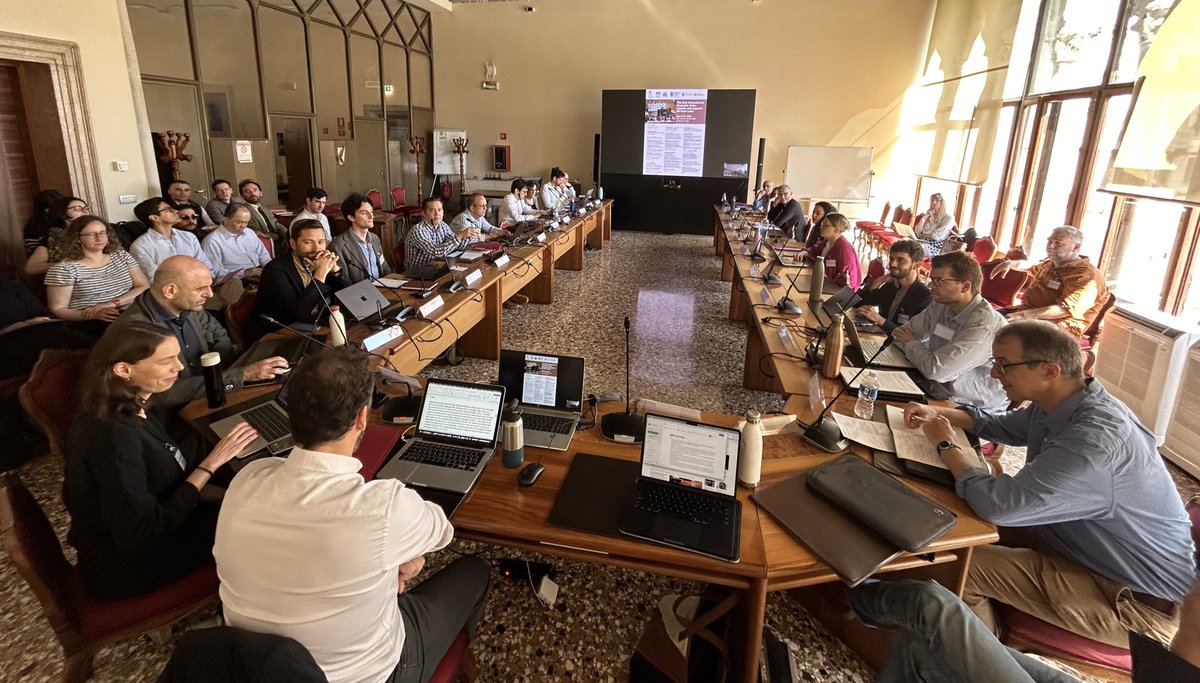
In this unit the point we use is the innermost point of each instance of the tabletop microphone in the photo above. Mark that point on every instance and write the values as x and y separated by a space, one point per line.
625 427
825 433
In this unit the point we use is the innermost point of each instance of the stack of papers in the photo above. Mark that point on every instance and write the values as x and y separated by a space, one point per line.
890 381
896 437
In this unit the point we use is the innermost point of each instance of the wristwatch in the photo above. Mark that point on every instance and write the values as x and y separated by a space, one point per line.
945 445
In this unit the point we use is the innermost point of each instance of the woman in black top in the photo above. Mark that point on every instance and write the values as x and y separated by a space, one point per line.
38 225
137 521
812 230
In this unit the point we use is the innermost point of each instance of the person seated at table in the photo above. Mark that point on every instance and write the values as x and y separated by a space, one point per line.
555 196
175 301
359 249
223 196
948 341
27 327
841 261
531 195
762 198
1065 287
137 521
786 213
938 638
1094 536
296 286
432 238
262 221
96 279
568 186
314 208
373 535
49 248
514 210
233 250
811 231
935 225
475 217
893 300
37 226
162 240
180 192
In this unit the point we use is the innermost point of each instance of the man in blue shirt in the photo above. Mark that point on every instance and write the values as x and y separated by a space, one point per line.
1094 535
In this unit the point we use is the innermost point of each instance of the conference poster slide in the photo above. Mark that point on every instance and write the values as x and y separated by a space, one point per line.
673 143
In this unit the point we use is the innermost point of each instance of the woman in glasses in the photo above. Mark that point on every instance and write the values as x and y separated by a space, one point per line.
48 250
96 279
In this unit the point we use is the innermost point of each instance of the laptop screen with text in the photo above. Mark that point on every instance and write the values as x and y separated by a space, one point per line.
691 454
542 379
460 411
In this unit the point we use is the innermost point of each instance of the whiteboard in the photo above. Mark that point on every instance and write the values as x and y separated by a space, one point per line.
830 173
445 161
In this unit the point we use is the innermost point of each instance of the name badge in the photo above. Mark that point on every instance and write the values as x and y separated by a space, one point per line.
944 332
431 306
502 261
1054 284
473 277
382 337
766 295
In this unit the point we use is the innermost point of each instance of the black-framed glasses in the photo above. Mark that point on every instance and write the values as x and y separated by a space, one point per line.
165 208
940 280
1003 367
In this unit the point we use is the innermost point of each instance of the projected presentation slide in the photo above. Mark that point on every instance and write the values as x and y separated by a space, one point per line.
673 143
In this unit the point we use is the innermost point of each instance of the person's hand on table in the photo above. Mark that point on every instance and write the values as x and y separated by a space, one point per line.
409 571
871 314
268 368
468 233
233 443
916 414
938 430
903 334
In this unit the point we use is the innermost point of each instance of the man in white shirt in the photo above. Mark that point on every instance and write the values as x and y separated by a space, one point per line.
475 216
314 208
307 549
556 194
162 241
232 248
514 209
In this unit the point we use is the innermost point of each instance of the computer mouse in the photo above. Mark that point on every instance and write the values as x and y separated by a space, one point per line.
530 473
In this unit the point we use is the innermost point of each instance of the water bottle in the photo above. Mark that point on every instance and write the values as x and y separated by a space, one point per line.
816 283
868 391
835 340
750 458
337 326
214 379
512 439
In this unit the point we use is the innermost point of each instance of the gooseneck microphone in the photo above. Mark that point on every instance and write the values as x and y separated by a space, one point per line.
825 433
625 427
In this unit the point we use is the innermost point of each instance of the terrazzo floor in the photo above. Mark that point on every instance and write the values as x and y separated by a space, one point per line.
684 351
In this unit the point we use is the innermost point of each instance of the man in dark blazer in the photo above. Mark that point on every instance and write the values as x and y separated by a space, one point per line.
295 286
892 300
359 249
787 214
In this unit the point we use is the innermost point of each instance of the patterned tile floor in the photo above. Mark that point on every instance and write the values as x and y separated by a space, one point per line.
684 351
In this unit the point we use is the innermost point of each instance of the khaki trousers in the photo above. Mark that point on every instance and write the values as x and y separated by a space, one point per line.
1058 591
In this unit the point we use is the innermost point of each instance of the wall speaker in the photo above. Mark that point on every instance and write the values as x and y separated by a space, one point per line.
501 157
596 161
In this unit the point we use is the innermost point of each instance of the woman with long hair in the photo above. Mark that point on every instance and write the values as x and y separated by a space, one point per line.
137 520
841 261
96 279
935 226
812 231
47 250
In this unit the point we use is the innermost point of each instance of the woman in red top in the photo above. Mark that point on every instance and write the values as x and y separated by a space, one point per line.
841 261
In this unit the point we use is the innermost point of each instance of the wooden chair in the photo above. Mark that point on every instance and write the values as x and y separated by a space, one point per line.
376 198
51 395
81 624
1090 341
239 317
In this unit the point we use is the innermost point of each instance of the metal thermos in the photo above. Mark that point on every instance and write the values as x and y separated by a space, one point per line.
817 284
512 439
214 379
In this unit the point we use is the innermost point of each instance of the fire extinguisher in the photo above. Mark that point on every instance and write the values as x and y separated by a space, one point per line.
447 190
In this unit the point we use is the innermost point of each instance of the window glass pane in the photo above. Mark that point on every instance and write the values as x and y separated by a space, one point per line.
228 71
1022 48
422 80
330 80
995 179
161 37
1059 158
364 81
395 78
285 64
1145 18
1191 303
1099 204
1146 236
1016 173
1074 45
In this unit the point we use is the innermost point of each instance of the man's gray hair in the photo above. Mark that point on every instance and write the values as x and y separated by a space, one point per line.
1047 342
1075 233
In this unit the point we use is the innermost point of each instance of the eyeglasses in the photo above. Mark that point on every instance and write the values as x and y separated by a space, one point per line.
479 206
1003 367
165 208
93 235
940 280
187 216
79 207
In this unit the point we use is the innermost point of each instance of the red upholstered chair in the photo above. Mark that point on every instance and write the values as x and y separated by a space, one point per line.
400 204
376 198
1088 343
1016 254
984 249
875 269
239 317
269 244
1002 292
458 664
81 624
51 395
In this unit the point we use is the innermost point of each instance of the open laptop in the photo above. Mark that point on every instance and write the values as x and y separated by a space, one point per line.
686 494
841 300
550 390
904 230
269 419
456 435
363 300
891 357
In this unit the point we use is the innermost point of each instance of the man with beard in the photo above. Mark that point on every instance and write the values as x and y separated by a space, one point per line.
262 221
296 285
1065 288
891 301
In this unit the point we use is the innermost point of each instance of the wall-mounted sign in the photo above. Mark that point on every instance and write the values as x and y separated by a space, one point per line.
244 153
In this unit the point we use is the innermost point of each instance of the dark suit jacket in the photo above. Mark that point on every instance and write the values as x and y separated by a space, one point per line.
346 247
915 300
283 296
787 216
263 222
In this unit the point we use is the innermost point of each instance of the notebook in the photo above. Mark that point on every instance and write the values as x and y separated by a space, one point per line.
456 434
550 390
685 495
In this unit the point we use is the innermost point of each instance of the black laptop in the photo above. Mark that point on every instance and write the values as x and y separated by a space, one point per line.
686 495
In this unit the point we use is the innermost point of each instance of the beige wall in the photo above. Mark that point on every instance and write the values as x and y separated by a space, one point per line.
826 73
95 26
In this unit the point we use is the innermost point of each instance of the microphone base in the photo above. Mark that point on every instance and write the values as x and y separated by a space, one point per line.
772 279
786 305
826 435
623 427
757 257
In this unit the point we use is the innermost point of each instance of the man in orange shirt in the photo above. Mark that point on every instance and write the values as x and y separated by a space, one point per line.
1065 288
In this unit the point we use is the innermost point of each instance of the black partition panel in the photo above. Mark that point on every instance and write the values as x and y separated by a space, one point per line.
673 204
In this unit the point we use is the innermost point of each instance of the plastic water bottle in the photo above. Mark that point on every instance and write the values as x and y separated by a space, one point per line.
750 458
337 326
868 391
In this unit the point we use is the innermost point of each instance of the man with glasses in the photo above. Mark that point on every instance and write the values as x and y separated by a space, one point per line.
948 341
786 213
475 217
189 220
162 240
234 250
1094 537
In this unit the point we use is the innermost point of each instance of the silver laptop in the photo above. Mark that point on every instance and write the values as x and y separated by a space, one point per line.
363 300
269 419
891 357
456 435
550 390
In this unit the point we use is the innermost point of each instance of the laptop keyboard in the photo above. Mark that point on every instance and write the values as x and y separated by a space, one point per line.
444 455
672 500
270 423
547 423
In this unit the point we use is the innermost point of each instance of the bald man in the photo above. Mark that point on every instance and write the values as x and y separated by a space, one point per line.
175 300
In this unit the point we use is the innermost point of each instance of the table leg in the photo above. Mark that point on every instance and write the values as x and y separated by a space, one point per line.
595 232
573 259
753 376
540 289
483 340
754 602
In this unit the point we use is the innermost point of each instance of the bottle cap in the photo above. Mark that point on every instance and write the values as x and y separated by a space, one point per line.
753 415
210 359
335 309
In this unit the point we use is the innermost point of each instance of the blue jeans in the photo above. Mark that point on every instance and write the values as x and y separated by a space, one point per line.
939 638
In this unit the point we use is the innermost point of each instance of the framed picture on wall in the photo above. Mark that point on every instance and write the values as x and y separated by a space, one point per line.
216 110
